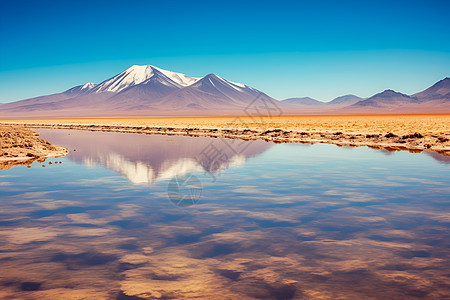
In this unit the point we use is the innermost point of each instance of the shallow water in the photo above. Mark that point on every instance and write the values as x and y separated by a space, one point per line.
182 217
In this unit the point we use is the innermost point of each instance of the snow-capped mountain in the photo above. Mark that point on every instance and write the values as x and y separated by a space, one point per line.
81 89
236 92
136 75
148 90
142 90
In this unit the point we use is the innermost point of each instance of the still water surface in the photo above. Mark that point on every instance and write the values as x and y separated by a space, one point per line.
267 221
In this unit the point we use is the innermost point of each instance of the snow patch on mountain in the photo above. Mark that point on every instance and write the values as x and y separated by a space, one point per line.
88 86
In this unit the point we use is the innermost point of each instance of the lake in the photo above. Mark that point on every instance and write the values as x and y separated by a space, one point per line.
129 216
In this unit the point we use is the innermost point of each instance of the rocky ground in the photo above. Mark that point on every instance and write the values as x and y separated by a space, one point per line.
22 146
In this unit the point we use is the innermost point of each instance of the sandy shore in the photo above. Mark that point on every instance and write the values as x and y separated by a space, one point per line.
22 146
414 133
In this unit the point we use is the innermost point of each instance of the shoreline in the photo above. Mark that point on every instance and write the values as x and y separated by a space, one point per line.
22 146
413 142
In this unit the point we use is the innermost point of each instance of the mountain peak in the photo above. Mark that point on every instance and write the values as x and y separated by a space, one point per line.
211 75
215 77
438 91
345 100
142 68
137 74
303 101
88 85
81 89
389 93
443 82
386 99
146 71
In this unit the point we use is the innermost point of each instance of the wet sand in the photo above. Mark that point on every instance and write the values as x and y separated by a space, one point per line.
414 133
22 146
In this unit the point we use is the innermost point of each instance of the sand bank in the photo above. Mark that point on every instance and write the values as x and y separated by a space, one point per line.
22 146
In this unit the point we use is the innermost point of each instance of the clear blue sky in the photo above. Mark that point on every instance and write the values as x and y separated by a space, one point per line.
320 49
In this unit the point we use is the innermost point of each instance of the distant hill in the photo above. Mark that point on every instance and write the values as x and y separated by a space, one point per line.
304 101
438 91
345 100
386 99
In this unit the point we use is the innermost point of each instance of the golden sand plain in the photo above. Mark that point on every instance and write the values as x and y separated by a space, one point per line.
391 132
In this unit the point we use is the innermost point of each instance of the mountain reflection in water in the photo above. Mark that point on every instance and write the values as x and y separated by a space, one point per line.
151 158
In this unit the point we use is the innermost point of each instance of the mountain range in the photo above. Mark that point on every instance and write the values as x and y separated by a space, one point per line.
151 91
